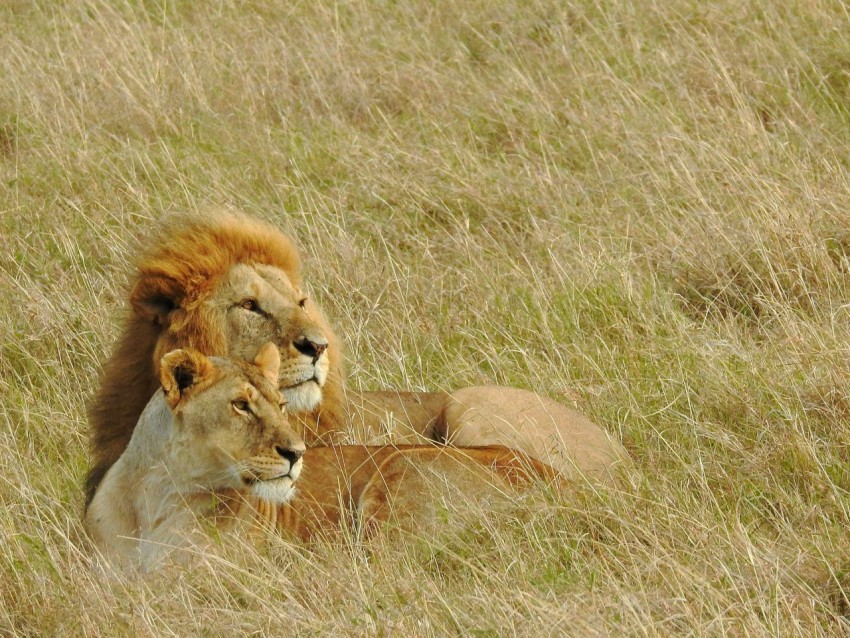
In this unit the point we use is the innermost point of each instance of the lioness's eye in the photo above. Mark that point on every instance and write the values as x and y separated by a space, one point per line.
242 407
250 304
303 302
283 406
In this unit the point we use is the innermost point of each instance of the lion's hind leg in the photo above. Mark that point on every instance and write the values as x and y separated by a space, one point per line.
533 424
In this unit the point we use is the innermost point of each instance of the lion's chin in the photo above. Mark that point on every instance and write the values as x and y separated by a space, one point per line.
277 491
304 397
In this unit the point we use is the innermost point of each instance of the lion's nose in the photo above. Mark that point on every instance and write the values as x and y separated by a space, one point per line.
311 347
289 454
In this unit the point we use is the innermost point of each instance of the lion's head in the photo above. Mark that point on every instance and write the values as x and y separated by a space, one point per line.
247 304
228 425
222 284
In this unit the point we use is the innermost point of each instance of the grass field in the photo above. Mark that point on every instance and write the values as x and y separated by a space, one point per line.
639 209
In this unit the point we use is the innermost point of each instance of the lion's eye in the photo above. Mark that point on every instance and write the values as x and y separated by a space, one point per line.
242 407
250 304
303 302
282 405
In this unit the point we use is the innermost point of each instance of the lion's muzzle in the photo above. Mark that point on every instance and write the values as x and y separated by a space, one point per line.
272 476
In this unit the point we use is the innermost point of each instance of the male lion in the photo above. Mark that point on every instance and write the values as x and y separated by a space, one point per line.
224 284
215 449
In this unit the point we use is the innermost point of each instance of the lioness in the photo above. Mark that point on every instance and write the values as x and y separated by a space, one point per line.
217 425
215 448
225 284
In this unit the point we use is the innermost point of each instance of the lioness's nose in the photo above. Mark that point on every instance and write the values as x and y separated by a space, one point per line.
289 454
311 347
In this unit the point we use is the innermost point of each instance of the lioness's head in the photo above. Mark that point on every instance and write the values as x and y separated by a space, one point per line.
230 430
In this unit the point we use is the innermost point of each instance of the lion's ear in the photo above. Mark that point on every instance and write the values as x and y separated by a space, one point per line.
181 370
154 297
268 361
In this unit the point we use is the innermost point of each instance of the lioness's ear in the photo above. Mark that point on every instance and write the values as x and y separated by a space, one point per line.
268 361
154 297
180 370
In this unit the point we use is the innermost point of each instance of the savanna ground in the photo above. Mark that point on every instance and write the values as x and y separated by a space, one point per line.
641 209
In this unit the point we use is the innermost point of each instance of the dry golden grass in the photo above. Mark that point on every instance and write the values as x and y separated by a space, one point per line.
637 208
